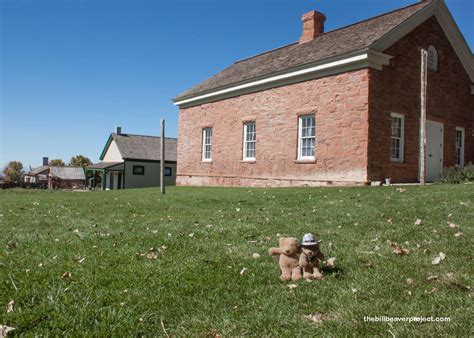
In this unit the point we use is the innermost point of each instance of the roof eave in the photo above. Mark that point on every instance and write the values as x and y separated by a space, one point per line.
363 58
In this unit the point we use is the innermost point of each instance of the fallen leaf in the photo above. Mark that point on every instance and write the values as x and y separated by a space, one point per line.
458 234
243 271
4 330
10 306
237 209
438 259
354 291
319 317
80 260
400 189
330 262
152 255
399 251
432 290
410 281
450 275
418 221
191 234
66 275
432 277
255 255
453 225
390 221
292 286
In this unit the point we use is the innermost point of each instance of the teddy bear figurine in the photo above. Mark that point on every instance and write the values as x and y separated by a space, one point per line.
288 251
310 257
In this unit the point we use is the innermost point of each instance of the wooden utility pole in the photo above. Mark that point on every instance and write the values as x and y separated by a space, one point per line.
423 82
162 158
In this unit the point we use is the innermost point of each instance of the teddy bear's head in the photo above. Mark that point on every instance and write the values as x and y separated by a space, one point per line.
288 245
310 250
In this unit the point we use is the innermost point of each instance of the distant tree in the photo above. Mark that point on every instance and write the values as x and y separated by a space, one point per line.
56 163
80 161
13 171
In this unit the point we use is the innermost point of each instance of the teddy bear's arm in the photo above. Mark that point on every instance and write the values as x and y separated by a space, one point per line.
320 256
274 251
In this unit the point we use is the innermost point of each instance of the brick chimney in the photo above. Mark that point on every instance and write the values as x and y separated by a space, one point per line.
45 161
118 130
313 25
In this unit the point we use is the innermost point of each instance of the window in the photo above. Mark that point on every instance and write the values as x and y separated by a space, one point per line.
432 59
460 147
250 136
138 170
306 136
168 171
207 144
397 138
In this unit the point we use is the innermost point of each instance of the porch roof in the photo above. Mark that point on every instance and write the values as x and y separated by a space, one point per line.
106 165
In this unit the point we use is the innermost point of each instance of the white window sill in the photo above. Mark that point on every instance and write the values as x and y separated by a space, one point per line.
397 161
206 161
306 160
248 160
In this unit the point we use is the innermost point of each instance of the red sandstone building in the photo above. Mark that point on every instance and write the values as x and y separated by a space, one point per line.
338 107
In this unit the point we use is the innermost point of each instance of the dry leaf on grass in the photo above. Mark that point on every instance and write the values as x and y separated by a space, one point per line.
319 317
399 251
255 255
292 286
410 281
10 306
330 262
418 221
452 225
152 255
431 277
458 234
4 330
66 275
354 291
438 259
243 271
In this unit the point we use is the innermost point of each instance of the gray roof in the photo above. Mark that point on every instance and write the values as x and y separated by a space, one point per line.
68 173
104 165
141 147
341 41
38 170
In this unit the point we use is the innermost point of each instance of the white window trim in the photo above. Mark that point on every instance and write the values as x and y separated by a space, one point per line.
300 127
245 142
462 130
402 138
204 159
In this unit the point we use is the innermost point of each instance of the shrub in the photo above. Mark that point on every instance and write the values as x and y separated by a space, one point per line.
457 174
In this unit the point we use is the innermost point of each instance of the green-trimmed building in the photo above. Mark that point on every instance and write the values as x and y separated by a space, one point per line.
132 161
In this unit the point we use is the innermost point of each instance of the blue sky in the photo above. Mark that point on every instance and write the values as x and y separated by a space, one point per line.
72 70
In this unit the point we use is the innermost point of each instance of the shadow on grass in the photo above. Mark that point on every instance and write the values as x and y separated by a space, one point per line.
336 271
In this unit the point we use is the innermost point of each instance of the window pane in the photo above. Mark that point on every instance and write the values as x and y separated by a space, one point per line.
207 140
307 137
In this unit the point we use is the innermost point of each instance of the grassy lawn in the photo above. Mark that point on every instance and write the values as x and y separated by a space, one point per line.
202 238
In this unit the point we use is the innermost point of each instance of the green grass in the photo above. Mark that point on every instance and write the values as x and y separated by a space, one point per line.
195 286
